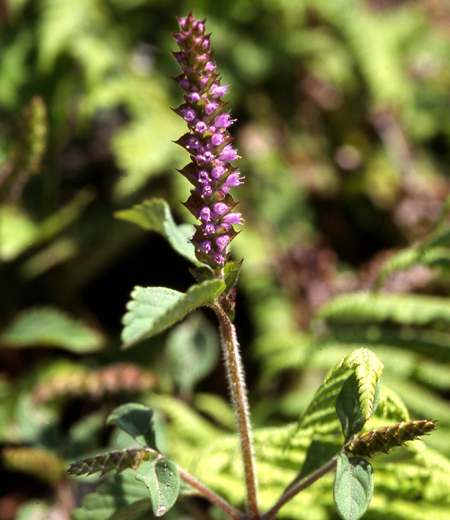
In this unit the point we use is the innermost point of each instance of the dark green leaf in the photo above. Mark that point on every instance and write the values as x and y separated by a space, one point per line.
348 408
231 271
137 420
202 273
353 487
155 215
319 453
154 309
163 483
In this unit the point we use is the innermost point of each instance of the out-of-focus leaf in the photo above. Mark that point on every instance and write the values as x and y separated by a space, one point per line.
115 499
51 327
17 232
39 463
192 351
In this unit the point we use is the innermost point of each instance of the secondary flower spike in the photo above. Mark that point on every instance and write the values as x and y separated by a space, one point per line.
208 141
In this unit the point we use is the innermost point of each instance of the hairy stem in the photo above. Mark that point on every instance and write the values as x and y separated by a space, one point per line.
298 485
236 380
210 495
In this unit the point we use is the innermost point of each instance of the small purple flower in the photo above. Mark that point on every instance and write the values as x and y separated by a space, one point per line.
218 91
207 191
211 107
189 115
219 259
228 154
217 172
222 242
208 144
205 214
210 229
234 180
203 177
194 97
205 247
192 142
201 127
220 208
217 139
223 121
232 218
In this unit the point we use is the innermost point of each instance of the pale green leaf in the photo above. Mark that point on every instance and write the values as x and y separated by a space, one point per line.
353 487
163 483
155 215
51 327
154 309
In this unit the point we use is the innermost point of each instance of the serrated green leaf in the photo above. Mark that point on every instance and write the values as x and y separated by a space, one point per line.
155 215
154 309
348 408
51 327
163 483
353 487
137 420
367 369
113 498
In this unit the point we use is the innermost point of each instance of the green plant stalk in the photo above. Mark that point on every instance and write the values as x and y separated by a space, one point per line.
299 485
210 495
236 380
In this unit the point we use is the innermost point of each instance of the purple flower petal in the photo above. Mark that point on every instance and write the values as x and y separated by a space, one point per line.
220 208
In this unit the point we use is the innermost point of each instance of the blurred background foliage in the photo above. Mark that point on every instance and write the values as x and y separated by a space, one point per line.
343 124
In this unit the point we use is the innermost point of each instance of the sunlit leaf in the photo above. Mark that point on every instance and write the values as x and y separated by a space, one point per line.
353 487
154 309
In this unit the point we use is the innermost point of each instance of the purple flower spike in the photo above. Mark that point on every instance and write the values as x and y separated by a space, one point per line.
208 143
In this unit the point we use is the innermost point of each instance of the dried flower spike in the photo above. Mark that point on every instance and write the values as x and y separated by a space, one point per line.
208 141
